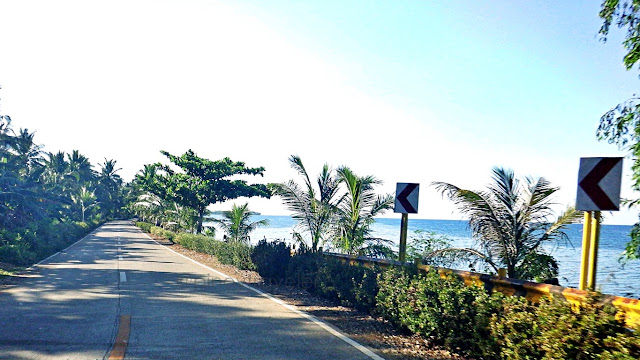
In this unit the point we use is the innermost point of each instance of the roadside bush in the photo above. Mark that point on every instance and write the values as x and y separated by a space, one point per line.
553 330
196 242
235 253
38 240
352 285
146 227
303 269
442 309
271 260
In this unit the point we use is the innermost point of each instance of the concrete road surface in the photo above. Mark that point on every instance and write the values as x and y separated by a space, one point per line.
118 293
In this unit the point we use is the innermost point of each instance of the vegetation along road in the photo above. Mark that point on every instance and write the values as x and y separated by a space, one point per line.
118 293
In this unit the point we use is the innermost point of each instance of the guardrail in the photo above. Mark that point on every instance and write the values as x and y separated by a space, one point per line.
532 291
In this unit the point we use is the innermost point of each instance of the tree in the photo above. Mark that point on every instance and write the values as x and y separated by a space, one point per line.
356 212
27 152
85 199
510 223
312 209
202 182
621 124
109 188
237 224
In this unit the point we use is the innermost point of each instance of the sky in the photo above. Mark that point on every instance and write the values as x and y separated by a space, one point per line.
407 91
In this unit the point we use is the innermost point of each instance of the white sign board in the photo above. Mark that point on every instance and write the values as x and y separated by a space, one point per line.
599 184
407 198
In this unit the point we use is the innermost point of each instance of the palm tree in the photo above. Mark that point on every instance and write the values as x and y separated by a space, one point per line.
56 168
511 222
236 223
109 189
85 199
355 215
312 209
28 153
80 167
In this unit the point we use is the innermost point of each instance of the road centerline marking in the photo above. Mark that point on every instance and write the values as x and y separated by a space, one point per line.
122 338
123 276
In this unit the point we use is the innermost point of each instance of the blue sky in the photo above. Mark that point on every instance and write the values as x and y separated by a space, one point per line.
410 91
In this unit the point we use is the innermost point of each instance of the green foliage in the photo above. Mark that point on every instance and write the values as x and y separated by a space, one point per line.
313 209
26 246
201 182
341 209
231 253
237 254
47 200
352 285
429 247
303 269
632 250
158 231
146 227
237 223
553 330
356 212
511 222
621 124
441 309
271 259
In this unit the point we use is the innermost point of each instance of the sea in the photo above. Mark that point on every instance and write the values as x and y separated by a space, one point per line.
613 276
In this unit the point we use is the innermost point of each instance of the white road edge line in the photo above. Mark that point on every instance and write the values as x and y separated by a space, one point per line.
333 331
123 276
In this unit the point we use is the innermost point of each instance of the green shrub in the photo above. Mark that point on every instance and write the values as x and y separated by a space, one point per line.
38 240
235 253
144 226
352 285
303 269
271 260
196 242
442 309
553 330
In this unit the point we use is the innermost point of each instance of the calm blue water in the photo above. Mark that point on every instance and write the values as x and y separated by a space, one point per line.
612 277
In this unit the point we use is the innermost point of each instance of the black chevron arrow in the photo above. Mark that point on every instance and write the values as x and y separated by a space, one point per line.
590 183
402 198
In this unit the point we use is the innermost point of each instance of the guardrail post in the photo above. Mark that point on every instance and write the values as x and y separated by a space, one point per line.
502 272
593 250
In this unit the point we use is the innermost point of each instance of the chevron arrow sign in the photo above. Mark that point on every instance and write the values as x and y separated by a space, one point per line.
407 198
599 184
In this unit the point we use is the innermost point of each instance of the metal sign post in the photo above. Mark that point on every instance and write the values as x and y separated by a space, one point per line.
406 202
598 190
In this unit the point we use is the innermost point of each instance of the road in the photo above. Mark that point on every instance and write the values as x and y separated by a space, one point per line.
118 293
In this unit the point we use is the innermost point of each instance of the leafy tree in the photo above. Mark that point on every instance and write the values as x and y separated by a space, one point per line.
237 223
202 182
510 223
312 209
355 215
621 124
